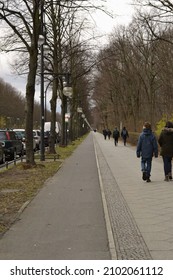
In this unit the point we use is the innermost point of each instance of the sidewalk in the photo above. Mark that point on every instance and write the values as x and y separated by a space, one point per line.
65 221
96 207
141 213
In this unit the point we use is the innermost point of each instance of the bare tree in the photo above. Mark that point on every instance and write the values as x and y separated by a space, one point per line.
23 23
64 34
133 78
22 19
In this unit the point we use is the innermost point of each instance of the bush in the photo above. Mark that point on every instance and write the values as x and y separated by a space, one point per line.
162 123
133 138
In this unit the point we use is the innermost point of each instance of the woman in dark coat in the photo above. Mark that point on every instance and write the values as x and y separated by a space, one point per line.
166 143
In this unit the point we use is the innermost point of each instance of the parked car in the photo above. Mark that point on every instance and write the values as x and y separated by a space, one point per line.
47 127
37 137
11 143
22 135
46 138
2 153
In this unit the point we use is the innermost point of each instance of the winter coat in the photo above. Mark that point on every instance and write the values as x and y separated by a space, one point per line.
109 133
124 133
105 132
116 134
147 144
166 142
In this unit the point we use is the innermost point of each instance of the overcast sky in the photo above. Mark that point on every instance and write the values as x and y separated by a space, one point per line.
122 11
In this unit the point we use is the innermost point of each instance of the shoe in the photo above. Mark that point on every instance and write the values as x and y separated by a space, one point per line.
148 180
144 175
170 176
166 178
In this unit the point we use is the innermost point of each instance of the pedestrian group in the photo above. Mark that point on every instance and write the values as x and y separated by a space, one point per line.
147 147
116 135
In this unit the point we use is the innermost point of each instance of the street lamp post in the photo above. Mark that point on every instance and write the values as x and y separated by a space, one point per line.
42 41
42 147
67 92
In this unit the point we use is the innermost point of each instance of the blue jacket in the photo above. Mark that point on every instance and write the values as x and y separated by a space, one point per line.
147 144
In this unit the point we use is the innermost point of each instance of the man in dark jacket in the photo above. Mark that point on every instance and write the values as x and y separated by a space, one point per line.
116 135
166 143
105 133
146 148
124 135
109 133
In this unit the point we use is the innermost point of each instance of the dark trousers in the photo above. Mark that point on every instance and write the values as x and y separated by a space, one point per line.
116 141
124 140
167 163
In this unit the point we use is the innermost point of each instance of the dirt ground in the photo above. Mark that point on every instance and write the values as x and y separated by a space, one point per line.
19 185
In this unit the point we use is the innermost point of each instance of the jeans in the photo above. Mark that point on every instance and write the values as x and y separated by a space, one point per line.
146 164
167 162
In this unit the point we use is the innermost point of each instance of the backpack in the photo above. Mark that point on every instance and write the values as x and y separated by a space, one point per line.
124 132
115 134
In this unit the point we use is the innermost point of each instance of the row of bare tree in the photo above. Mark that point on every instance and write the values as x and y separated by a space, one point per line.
62 25
133 82
12 108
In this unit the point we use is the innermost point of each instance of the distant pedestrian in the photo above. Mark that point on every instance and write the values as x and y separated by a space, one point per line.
147 147
166 143
105 133
109 133
124 135
116 135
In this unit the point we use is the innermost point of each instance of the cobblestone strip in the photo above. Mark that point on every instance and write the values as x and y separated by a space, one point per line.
129 242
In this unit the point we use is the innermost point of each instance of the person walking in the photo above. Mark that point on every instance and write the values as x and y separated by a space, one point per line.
105 133
124 135
146 147
116 135
166 143
109 133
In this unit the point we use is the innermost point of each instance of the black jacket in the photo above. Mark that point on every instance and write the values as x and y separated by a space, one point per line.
166 142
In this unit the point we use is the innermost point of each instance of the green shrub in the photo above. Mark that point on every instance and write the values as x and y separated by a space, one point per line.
162 123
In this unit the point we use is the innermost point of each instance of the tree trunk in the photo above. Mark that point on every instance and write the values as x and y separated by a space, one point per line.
30 92
63 111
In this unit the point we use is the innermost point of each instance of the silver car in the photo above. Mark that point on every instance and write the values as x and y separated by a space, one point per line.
21 135
37 137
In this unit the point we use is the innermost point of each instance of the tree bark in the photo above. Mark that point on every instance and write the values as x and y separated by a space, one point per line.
29 109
